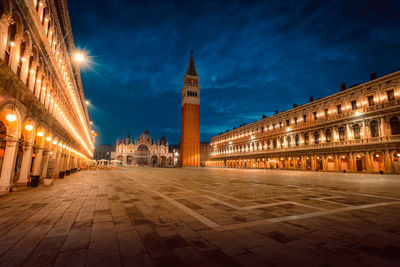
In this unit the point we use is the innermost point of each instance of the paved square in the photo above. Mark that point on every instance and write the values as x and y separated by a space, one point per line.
204 217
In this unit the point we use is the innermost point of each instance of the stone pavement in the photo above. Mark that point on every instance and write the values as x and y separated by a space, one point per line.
204 217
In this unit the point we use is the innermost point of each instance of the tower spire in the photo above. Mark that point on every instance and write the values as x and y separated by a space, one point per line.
191 68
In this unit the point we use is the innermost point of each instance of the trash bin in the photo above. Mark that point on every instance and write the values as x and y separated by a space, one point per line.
34 180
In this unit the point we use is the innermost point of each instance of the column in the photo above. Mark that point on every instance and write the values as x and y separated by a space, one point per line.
303 162
15 53
4 24
351 162
7 170
313 163
368 161
382 126
388 162
32 76
25 65
57 165
38 161
324 163
46 157
25 165
337 163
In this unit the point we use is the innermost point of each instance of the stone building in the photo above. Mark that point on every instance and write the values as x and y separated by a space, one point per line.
190 124
355 130
44 124
143 151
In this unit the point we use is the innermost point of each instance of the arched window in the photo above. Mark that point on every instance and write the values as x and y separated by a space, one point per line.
296 139
274 143
356 131
341 133
395 125
374 128
328 135
316 137
282 140
289 140
306 138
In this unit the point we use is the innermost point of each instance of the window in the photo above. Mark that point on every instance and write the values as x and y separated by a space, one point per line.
306 138
269 144
304 118
287 122
328 135
371 101
326 112
296 139
315 115
395 125
339 109
341 133
274 143
374 128
356 131
281 124
354 105
390 95
295 120
282 140
289 140
316 137
273 126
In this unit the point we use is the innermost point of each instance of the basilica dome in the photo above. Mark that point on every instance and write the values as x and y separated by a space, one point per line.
146 136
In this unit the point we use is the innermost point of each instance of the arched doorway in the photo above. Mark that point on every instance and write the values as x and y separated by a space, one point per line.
378 162
308 163
360 162
163 161
154 161
344 162
318 163
330 163
129 159
3 134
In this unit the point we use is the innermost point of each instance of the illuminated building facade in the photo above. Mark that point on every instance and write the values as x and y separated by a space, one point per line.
190 124
44 124
354 130
143 151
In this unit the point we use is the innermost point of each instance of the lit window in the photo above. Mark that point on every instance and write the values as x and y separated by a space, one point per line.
390 95
371 101
354 105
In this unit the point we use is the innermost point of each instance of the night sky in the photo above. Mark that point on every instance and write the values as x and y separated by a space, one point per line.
252 57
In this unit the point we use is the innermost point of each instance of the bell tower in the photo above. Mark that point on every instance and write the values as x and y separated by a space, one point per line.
190 125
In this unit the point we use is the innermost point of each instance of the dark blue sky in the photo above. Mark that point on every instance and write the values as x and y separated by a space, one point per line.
253 57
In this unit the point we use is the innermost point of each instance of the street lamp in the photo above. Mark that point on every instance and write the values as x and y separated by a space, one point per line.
79 57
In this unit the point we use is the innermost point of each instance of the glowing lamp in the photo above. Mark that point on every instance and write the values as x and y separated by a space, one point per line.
87 102
63 146
40 134
23 59
11 117
28 127
48 138
79 57
54 142
12 43
59 144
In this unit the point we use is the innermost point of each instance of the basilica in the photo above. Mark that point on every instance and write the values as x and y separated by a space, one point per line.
143 152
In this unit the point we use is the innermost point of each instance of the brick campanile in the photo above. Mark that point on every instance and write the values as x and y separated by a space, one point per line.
190 125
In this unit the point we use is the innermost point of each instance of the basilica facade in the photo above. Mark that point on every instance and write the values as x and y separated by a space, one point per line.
354 130
143 151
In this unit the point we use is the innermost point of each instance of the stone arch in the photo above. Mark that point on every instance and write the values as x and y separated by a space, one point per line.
163 161
395 157
378 161
28 130
13 127
40 136
360 162
344 162
154 160
48 140
129 159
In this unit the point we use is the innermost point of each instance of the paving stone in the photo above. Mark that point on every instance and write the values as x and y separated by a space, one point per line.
203 217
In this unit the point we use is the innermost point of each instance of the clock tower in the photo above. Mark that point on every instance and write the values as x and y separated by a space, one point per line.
190 124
